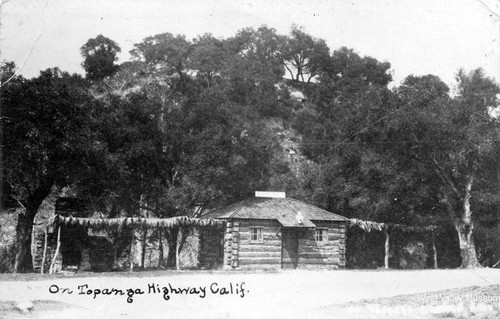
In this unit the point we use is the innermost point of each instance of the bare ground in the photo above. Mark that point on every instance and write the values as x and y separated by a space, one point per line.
282 294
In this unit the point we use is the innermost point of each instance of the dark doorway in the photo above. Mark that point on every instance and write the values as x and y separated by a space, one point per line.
71 238
212 248
290 248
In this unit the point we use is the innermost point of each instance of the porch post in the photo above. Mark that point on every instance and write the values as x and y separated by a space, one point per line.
178 247
386 259
131 256
51 270
434 251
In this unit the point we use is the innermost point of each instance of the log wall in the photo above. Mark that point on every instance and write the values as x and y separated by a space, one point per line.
323 255
240 252
228 242
37 246
266 254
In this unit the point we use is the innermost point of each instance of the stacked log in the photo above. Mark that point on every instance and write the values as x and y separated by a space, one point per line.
228 241
265 254
38 244
235 244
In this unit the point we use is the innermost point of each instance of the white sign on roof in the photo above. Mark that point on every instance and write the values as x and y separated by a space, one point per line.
270 194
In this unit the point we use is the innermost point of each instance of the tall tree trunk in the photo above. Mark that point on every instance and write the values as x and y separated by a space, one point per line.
23 260
464 227
467 247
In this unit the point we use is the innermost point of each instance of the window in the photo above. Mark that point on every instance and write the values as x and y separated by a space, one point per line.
321 235
255 234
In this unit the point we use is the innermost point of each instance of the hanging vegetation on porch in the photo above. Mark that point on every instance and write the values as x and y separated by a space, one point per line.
117 223
179 224
368 226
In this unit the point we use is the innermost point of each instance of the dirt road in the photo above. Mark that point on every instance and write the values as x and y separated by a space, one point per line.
287 294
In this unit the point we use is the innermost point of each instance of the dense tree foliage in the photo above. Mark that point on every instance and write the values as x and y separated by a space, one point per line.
48 140
453 141
340 131
100 55
304 56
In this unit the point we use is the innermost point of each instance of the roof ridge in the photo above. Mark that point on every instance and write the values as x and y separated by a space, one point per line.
317 207
235 212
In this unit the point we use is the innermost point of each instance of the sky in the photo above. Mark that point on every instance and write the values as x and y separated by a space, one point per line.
416 36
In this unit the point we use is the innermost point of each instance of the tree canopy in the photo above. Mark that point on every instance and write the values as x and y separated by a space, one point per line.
100 55
48 138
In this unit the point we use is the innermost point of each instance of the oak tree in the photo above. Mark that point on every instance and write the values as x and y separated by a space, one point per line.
100 55
48 129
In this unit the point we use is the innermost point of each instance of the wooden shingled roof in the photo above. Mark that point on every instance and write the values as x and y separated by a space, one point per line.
285 210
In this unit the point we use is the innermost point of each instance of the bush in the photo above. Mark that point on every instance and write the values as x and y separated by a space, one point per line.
413 256
7 255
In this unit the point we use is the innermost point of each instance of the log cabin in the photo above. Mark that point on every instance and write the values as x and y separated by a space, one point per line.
272 231
268 231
